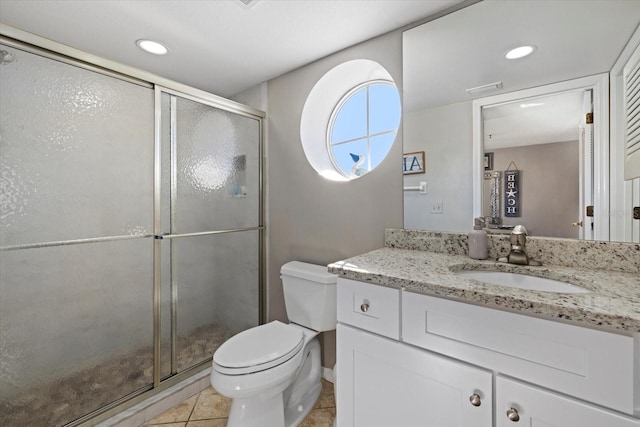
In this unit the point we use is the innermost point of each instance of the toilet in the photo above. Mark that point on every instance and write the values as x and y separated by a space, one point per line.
272 372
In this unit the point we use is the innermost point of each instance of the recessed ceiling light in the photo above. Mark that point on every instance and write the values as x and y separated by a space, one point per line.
152 47
520 52
248 3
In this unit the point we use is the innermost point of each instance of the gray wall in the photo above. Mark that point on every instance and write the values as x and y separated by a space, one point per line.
310 218
445 134
549 183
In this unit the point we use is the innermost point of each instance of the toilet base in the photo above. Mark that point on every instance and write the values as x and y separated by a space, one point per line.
278 405
295 414
265 411
302 394
257 412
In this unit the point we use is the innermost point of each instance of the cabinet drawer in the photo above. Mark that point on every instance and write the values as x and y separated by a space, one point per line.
593 365
371 307
536 407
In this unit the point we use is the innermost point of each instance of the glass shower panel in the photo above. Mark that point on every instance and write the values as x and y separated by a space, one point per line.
75 329
77 153
217 173
217 279
77 225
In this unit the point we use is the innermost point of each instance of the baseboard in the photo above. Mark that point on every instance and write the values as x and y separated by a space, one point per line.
150 408
328 374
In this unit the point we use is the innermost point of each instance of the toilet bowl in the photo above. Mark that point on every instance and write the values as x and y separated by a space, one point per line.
272 372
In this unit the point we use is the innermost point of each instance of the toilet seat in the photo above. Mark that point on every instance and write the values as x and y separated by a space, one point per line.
258 349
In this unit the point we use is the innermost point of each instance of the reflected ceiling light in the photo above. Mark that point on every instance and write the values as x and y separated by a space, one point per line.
532 104
520 52
152 47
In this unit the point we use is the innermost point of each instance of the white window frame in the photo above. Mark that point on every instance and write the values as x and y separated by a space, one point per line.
320 104
368 135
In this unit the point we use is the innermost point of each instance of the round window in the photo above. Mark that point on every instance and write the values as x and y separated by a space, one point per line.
350 120
363 127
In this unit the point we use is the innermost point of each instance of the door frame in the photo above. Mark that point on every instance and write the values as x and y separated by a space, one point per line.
623 193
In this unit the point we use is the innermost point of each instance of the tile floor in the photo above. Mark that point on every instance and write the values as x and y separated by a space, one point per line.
209 409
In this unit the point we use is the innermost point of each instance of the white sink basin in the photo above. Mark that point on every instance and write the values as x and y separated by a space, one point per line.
520 281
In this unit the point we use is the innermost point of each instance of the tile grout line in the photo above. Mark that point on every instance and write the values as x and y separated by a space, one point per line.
194 407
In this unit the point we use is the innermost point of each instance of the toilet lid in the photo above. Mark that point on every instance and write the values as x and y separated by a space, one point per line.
262 347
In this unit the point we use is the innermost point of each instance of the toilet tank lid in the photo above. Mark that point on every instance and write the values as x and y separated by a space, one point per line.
312 272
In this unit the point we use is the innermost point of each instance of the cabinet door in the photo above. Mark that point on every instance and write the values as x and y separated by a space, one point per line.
539 408
383 383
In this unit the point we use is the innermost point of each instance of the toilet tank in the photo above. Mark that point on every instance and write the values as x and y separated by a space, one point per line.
309 295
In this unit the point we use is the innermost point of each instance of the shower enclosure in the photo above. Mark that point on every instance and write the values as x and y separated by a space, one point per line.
131 235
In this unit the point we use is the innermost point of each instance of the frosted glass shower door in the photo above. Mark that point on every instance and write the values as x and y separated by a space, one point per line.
215 169
212 165
127 253
76 240
76 153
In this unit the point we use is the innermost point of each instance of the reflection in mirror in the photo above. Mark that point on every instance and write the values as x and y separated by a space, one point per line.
548 143
558 134
465 50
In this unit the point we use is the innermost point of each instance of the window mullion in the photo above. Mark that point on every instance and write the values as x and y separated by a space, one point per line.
368 130
367 138
346 141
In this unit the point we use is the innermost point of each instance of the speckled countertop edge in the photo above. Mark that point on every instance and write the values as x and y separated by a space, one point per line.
612 304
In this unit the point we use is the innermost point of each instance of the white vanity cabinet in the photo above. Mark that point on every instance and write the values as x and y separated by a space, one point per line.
383 382
520 404
406 359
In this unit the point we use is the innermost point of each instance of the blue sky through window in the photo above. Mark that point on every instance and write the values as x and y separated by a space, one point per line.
351 122
365 125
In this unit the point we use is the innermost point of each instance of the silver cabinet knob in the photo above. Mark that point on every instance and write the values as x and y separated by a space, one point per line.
475 399
364 307
513 415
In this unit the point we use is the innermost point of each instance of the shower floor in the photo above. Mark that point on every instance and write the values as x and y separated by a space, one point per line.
69 398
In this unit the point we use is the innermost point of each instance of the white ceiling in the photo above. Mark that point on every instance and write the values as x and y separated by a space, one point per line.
224 47
220 46
444 57
466 49
543 120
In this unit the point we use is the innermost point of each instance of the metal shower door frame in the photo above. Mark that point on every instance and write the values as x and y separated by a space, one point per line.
49 49
227 106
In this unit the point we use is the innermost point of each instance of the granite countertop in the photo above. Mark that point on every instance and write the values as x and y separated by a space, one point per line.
613 303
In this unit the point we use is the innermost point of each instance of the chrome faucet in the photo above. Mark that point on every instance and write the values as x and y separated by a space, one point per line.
518 252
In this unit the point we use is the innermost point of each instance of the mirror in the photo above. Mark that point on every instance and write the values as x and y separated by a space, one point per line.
547 138
456 59
538 140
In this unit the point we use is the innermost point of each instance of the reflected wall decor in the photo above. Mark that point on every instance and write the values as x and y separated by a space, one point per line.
512 193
